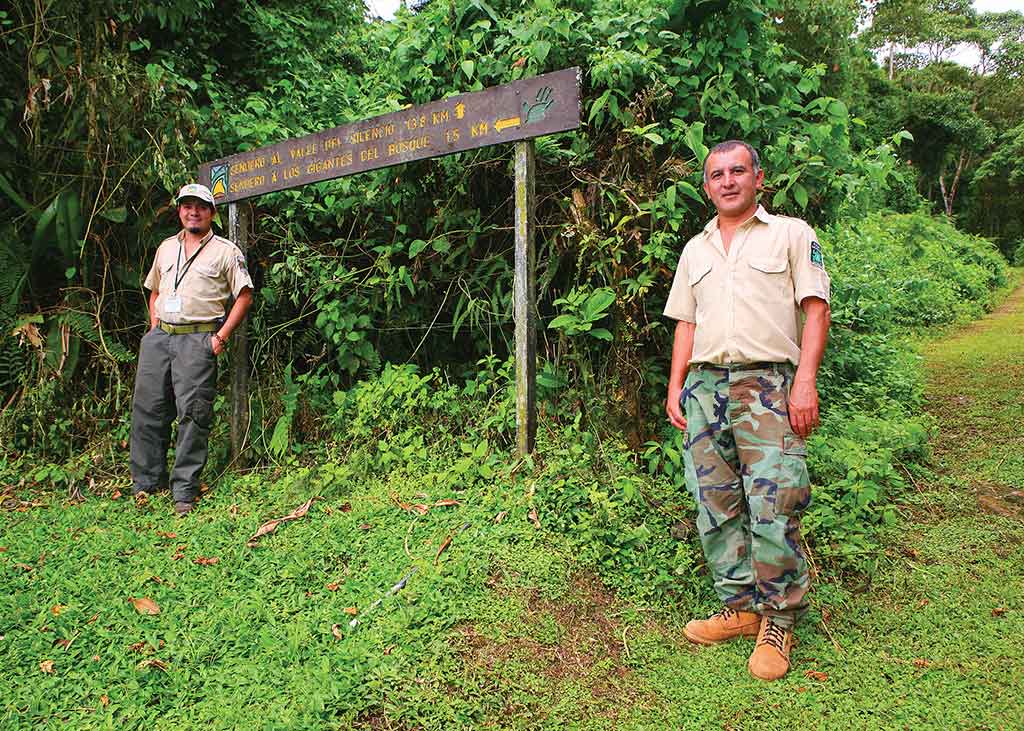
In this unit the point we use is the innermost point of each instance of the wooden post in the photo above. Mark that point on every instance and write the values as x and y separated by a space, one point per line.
525 300
238 232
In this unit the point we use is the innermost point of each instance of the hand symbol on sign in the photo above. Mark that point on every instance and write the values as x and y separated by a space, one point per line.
539 109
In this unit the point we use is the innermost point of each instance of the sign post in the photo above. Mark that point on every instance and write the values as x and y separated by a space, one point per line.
238 231
525 301
515 112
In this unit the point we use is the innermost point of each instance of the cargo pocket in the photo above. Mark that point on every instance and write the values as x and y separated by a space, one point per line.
200 411
794 493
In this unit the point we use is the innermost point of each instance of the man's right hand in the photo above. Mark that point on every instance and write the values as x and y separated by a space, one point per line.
675 413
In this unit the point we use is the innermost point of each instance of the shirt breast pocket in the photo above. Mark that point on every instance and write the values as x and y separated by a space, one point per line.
207 270
699 271
769 277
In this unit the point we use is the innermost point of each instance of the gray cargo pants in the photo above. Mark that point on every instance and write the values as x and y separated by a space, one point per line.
177 373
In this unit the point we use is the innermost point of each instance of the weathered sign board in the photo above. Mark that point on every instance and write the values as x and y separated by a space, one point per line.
514 112
528 108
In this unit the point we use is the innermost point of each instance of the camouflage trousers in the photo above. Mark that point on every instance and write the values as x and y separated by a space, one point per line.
746 469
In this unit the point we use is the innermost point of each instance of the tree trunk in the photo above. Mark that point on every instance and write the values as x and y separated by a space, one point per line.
948 196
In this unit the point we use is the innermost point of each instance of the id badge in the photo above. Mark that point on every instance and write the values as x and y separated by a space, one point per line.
172 304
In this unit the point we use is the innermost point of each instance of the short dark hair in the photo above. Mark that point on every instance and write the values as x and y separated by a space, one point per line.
732 145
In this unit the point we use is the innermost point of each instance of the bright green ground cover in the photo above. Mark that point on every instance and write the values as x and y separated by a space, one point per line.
510 629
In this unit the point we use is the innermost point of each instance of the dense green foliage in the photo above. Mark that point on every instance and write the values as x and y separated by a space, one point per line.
382 380
109 107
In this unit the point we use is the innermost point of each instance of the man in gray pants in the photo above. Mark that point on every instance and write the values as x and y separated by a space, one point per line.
194 276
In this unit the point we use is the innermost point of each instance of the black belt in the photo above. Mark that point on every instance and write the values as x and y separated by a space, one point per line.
757 366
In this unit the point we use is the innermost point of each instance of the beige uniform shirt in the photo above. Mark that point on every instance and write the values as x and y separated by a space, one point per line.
746 304
217 274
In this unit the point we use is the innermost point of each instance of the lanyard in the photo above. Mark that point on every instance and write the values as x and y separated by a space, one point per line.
179 273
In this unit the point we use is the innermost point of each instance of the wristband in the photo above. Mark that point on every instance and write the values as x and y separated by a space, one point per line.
223 343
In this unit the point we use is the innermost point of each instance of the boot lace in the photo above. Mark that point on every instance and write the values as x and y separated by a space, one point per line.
775 636
724 613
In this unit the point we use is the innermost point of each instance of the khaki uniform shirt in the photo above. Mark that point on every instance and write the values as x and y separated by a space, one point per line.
217 274
746 304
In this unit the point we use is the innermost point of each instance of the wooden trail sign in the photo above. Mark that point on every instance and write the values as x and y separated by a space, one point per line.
515 112
524 109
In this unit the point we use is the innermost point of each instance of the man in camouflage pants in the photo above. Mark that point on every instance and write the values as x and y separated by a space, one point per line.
751 299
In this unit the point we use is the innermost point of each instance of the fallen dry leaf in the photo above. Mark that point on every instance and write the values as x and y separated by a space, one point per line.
271 526
920 662
922 603
93 618
3 549
333 586
999 611
145 605
23 567
365 526
166 534
62 643
95 658
420 508
152 662
446 503
816 675
206 561
801 689
444 546
46 666
519 63
336 631
179 553
501 516
534 518
56 609
387 650
116 495
346 507
351 611
104 701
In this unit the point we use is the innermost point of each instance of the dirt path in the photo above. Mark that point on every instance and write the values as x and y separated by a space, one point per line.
976 394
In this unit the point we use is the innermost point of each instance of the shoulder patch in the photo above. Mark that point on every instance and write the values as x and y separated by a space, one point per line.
240 261
816 257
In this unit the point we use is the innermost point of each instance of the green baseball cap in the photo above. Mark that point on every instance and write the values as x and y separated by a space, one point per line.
195 190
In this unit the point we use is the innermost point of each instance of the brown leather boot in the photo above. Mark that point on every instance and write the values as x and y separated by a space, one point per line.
770 659
728 624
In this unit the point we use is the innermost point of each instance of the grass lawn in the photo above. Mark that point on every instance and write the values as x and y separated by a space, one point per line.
501 624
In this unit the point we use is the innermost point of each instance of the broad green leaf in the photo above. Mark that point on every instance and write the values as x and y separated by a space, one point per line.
117 215
539 50
800 195
598 302
416 247
601 334
468 67
563 321
690 191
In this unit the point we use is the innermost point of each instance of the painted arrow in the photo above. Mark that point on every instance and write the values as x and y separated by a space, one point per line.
501 124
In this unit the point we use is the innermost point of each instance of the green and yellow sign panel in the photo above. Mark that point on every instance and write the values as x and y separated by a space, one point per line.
521 110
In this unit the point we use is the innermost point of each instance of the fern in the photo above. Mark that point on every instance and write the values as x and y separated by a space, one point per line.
12 279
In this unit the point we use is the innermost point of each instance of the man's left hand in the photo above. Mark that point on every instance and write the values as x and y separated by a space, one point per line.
217 345
803 407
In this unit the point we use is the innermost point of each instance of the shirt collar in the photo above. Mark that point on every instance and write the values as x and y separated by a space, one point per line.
202 242
760 214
